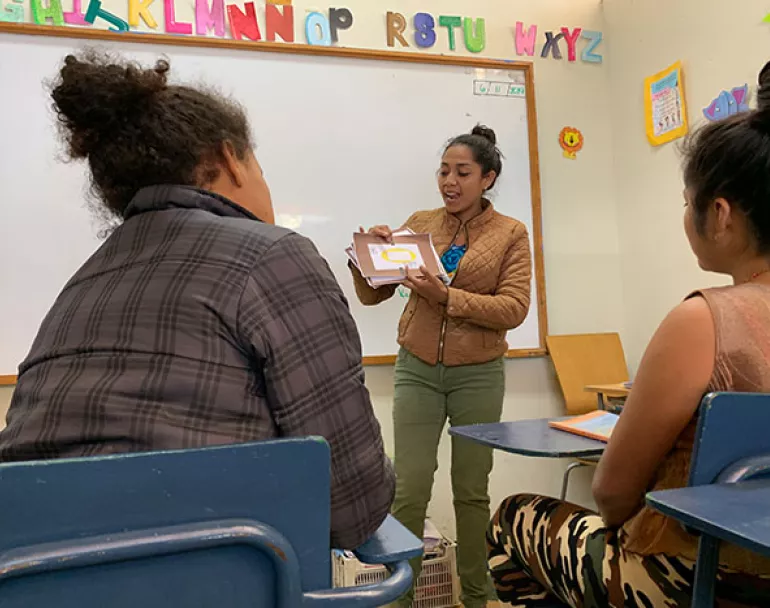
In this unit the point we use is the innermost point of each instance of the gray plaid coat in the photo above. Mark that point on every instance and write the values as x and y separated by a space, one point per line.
194 325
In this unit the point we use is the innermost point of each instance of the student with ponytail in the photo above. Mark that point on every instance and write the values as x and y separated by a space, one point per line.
628 555
452 346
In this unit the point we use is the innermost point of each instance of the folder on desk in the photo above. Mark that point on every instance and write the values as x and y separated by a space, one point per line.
596 425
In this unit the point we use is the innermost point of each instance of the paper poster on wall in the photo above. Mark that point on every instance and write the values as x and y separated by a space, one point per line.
665 107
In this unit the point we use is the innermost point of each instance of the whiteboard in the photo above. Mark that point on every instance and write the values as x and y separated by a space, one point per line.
343 141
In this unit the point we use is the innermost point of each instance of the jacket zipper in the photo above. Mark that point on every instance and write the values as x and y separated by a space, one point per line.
457 270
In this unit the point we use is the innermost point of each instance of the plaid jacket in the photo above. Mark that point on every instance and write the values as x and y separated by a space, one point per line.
196 325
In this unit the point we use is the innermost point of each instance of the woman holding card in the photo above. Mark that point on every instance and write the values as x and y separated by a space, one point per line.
452 341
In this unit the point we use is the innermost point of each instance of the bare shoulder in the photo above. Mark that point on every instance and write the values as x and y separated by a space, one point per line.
683 348
692 315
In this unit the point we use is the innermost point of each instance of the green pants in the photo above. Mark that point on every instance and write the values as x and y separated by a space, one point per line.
424 397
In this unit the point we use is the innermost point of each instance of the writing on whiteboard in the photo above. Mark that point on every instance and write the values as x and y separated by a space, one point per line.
498 89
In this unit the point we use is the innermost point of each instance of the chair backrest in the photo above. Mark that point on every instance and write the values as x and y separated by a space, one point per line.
731 427
283 484
584 359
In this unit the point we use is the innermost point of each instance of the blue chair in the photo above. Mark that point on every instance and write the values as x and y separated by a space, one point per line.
236 526
732 445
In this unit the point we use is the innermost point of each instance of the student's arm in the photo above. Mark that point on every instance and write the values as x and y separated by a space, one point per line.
301 334
672 379
508 307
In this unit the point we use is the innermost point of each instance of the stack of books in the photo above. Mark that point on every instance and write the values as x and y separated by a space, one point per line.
386 263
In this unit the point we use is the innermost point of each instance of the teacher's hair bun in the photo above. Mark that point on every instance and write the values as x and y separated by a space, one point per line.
486 133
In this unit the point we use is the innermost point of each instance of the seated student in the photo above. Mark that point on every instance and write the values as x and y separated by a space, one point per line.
195 323
716 340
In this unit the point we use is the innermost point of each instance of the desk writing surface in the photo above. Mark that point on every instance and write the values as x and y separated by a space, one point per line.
609 390
738 513
530 438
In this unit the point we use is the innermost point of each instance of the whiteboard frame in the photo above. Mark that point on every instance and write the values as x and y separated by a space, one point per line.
526 67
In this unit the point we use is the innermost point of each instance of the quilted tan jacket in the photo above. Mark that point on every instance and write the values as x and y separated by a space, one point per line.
488 296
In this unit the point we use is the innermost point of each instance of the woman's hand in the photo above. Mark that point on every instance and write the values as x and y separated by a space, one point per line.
425 285
382 232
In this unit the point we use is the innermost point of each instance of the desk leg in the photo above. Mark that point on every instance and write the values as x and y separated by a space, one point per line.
602 403
706 572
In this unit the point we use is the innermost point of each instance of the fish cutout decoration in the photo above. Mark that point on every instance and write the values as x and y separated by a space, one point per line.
728 103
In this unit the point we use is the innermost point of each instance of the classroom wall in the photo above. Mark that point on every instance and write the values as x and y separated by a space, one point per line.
721 46
581 244
5 401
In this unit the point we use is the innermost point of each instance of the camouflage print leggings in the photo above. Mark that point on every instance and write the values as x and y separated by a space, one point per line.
542 547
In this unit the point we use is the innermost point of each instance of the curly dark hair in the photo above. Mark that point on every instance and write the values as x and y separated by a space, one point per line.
136 130
730 159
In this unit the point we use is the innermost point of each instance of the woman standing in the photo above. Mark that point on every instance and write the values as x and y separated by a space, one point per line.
452 345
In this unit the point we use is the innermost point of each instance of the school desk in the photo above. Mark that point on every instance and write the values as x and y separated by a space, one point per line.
609 394
733 512
530 438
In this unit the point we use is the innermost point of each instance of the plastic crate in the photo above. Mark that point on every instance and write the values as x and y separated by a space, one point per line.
437 587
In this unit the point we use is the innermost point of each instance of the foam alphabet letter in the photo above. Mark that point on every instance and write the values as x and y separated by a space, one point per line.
42 13
75 16
594 40
339 19
450 23
475 41
396 25
140 9
172 25
552 45
244 24
318 30
210 18
719 108
728 103
571 39
424 30
740 95
525 43
95 10
12 13
279 23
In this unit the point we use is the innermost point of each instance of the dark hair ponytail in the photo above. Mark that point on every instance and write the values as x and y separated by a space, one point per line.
482 143
730 159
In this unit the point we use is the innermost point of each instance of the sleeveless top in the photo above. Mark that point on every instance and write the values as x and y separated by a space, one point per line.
742 322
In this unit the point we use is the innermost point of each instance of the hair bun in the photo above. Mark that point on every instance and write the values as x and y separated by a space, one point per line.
485 132
94 96
763 93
